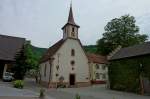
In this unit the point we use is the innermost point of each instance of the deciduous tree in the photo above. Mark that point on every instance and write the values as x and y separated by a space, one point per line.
121 31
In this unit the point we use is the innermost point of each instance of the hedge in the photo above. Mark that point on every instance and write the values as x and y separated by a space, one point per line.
124 73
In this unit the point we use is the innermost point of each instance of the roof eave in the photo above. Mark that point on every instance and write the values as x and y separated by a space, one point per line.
70 24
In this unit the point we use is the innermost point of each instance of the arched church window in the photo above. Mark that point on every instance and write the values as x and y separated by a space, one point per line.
72 52
72 29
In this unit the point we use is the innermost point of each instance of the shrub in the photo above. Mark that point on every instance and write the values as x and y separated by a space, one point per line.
42 93
18 84
61 86
78 96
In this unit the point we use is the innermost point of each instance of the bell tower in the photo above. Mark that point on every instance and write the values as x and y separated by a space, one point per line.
70 29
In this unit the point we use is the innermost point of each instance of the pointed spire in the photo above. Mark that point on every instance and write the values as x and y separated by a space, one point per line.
70 17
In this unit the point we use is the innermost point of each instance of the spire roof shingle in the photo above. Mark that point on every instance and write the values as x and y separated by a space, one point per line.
71 18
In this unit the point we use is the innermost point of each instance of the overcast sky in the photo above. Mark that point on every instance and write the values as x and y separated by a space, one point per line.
41 20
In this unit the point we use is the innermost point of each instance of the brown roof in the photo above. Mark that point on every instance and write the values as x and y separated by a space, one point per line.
97 58
9 46
52 50
132 51
71 18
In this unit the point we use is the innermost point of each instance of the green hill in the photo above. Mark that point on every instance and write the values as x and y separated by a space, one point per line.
38 52
90 48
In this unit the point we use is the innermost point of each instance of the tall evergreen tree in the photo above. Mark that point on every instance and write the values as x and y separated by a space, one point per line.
25 61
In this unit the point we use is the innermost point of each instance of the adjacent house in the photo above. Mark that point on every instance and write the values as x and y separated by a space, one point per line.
98 68
66 62
131 65
9 47
132 51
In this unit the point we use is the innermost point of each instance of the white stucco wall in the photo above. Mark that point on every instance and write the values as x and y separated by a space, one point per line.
81 67
68 30
42 70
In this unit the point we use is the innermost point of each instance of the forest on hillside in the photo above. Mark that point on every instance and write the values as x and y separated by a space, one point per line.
38 52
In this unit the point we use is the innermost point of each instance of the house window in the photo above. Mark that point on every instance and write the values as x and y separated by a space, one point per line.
103 67
104 76
45 70
97 76
97 66
72 62
72 52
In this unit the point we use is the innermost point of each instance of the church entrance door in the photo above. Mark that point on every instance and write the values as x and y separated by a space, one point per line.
72 79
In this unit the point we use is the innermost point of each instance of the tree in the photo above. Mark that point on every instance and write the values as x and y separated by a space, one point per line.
25 61
120 31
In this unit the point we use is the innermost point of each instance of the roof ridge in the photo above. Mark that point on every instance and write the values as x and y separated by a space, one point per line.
52 50
10 46
8 36
132 51
136 45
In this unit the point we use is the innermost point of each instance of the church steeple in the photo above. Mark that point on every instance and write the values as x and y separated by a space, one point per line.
70 17
70 29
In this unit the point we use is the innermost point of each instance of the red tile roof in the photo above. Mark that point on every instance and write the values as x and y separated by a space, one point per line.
95 58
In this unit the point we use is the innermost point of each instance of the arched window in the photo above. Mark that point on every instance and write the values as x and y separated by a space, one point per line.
72 52
72 29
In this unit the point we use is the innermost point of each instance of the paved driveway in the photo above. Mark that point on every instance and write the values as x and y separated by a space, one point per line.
8 92
100 92
93 92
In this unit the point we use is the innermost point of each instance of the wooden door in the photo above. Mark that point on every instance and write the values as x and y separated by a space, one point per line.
72 79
